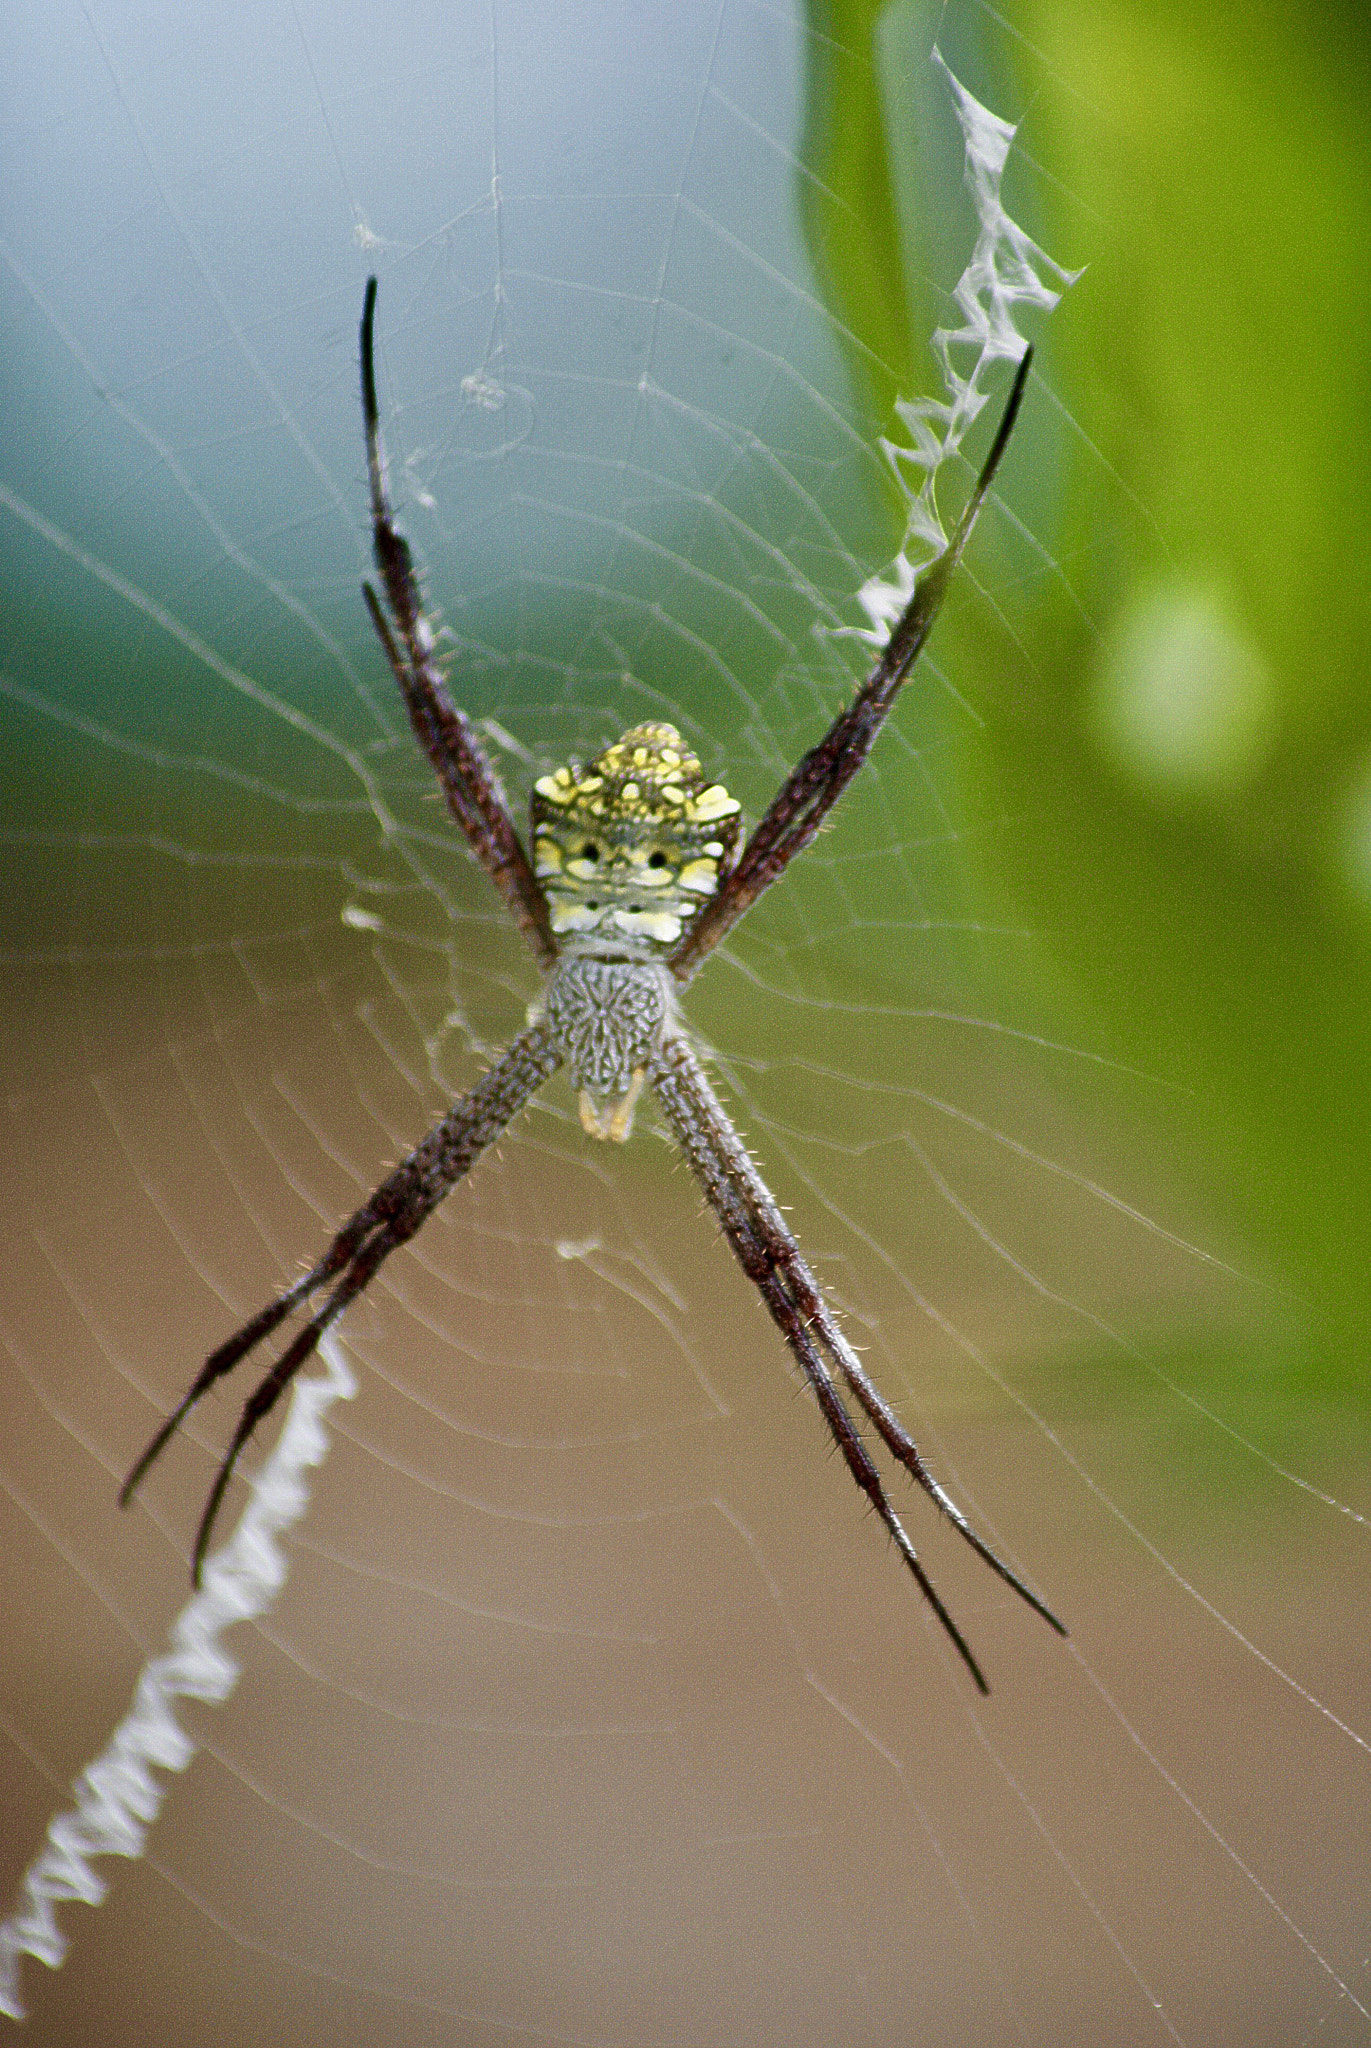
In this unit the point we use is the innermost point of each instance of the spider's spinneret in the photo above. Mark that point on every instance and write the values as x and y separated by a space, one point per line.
628 849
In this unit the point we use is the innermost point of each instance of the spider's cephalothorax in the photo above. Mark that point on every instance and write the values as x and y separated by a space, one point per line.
635 878
607 1019
629 849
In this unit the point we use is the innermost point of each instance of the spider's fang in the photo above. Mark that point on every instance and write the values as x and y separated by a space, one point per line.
612 1120
607 1018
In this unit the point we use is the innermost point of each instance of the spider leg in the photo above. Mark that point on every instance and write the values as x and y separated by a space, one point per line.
772 1260
387 1219
849 1442
819 779
475 795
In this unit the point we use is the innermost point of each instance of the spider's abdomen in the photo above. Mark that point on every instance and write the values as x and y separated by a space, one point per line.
630 847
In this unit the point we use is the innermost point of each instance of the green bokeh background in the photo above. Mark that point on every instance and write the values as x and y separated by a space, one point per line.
1187 741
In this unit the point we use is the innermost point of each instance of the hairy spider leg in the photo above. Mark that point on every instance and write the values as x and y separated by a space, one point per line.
387 1219
475 795
752 1222
814 785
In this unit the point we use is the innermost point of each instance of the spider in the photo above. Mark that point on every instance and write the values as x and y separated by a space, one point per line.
635 877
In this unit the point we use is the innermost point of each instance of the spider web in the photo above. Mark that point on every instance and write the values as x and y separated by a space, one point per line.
593 1708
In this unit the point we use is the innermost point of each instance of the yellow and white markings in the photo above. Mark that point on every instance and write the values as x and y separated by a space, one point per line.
629 847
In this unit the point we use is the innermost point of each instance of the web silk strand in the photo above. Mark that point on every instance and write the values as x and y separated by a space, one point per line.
118 1795
1007 270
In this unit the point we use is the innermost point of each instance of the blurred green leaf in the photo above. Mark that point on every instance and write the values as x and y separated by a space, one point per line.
1182 719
